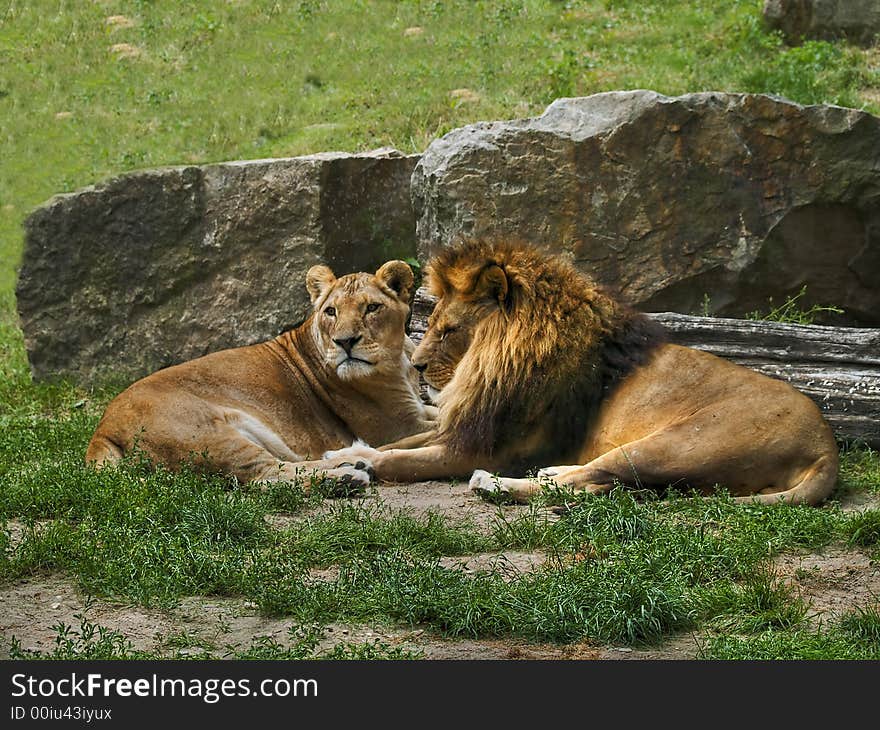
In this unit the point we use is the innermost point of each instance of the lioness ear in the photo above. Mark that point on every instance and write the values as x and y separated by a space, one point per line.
397 276
492 284
318 280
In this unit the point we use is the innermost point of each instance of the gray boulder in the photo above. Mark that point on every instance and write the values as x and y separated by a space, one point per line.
158 267
667 201
857 20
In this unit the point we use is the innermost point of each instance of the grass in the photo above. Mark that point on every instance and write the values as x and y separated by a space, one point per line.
620 570
218 81
856 635
83 98
792 312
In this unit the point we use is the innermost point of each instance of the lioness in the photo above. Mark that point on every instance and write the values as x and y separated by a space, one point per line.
256 412
531 364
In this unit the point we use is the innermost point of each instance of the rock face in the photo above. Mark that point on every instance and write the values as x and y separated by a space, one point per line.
667 201
858 20
162 266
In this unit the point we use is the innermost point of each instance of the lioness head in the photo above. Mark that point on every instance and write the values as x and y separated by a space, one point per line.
359 319
465 300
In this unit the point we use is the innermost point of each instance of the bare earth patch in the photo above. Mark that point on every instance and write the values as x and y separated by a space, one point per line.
29 609
17 530
452 500
509 563
859 501
833 581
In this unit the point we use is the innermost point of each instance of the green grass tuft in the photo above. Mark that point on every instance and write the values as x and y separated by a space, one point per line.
854 636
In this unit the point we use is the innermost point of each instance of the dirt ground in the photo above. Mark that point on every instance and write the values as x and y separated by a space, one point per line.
832 581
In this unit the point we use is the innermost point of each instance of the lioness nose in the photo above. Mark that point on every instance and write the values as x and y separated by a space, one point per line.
420 367
346 343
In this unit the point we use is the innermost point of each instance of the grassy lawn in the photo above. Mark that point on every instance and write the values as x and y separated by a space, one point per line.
93 89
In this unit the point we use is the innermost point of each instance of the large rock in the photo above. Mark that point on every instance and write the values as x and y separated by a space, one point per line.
667 201
858 20
157 267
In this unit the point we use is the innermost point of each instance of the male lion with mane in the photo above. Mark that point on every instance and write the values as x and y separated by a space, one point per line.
256 412
534 366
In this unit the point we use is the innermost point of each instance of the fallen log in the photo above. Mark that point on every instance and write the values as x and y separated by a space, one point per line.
838 367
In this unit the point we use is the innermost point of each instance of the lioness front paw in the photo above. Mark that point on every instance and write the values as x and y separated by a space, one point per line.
488 486
347 480
352 454
360 465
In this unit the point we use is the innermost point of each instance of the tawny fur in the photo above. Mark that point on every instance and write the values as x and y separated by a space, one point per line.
536 366
258 412
522 371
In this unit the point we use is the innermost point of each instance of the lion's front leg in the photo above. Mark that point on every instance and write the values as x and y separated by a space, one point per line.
410 465
580 478
506 489
647 462
358 453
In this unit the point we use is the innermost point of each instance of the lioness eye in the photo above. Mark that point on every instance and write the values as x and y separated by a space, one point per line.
447 331
373 307
330 311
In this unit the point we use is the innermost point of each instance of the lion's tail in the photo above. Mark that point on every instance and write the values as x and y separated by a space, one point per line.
815 485
102 451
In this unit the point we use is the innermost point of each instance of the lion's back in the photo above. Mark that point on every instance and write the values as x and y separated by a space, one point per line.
716 399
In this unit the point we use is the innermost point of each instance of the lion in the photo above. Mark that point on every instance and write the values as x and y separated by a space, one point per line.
258 412
535 368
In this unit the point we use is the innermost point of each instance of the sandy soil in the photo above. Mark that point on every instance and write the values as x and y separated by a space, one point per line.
453 500
29 609
833 581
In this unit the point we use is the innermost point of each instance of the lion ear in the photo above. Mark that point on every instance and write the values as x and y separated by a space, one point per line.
397 276
318 280
435 282
492 284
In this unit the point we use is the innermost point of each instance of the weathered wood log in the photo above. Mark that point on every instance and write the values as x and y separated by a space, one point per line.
838 367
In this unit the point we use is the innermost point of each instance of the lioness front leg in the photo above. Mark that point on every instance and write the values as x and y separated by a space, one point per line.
230 452
411 442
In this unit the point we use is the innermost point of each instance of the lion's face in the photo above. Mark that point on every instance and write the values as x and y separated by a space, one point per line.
359 319
465 300
450 331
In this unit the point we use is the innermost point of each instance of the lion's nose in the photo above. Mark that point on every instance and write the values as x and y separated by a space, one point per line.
420 367
346 343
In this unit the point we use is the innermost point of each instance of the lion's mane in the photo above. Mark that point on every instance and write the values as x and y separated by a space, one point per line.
544 360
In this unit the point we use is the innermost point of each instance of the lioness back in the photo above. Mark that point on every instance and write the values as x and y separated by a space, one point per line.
248 389
252 411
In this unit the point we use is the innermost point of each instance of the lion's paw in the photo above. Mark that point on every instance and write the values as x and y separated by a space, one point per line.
488 486
558 472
